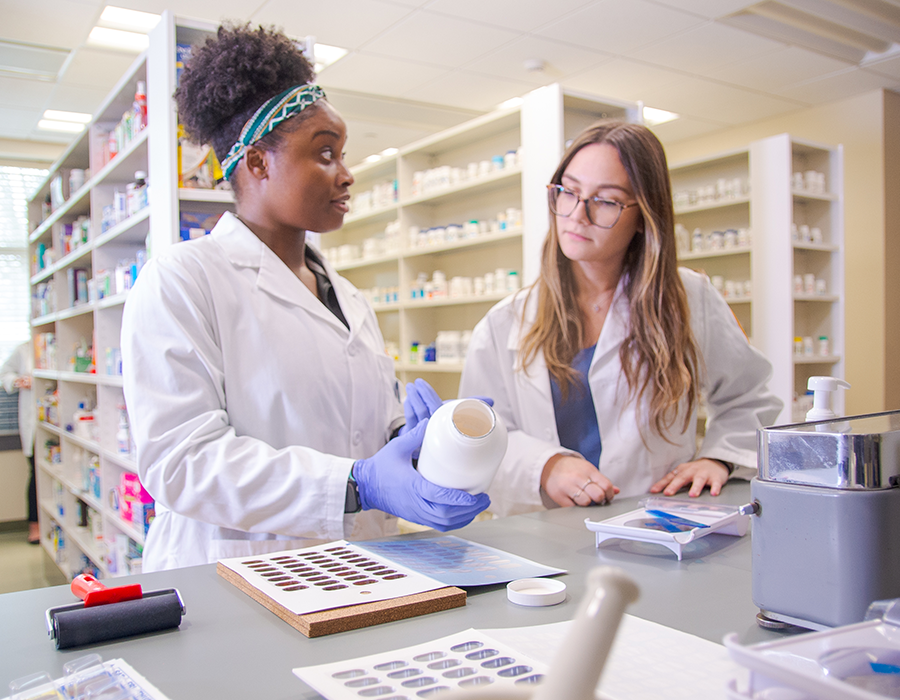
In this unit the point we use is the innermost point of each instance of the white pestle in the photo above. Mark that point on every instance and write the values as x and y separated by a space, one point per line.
578 663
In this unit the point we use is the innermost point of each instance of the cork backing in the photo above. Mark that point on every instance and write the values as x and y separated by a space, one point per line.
324 622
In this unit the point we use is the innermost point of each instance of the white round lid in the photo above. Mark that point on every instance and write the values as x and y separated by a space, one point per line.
536 591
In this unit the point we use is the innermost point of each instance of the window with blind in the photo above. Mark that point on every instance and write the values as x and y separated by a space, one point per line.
16 186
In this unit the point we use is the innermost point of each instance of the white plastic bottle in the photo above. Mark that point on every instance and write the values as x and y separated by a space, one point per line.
123 433
464 444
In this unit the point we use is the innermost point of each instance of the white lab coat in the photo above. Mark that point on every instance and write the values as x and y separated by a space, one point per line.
20 364
249 401
738 401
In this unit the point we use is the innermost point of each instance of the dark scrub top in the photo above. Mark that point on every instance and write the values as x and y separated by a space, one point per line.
576 419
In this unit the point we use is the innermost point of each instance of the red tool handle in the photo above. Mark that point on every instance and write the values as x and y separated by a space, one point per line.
92 592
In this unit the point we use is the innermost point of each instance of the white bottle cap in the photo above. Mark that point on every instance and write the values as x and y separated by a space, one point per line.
536 592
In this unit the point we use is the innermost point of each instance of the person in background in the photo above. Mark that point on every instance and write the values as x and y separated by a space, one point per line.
15 375
262 403
600 367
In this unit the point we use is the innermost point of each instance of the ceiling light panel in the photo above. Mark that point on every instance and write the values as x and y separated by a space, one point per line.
59 115
880 14
326 54
67 127
118 40
818 25
31 61
851 30
127 20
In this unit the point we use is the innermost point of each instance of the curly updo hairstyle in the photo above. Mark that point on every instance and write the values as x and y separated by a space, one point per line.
228 78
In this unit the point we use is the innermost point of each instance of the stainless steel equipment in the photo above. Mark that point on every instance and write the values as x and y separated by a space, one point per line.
826 534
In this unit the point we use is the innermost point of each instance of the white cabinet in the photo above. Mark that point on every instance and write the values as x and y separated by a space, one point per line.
766 224
451 224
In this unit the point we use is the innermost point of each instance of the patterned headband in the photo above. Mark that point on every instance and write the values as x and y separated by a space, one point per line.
290 102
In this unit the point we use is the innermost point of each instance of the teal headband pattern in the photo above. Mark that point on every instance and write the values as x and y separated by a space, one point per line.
281 107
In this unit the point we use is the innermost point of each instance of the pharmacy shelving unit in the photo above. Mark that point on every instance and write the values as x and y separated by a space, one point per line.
712 195
753 190
79 470
781 311
498 166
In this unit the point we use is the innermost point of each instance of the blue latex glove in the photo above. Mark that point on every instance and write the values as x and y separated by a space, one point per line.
421 401
388 482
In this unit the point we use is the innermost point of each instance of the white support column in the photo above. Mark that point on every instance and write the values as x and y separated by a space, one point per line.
163 137
542 146
772 262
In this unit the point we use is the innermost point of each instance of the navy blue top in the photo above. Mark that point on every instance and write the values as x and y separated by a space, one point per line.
576 420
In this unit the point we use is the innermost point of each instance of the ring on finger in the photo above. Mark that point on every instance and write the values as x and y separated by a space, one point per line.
586 484
577 494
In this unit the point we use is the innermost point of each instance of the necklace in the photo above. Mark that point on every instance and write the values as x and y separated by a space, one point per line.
599 306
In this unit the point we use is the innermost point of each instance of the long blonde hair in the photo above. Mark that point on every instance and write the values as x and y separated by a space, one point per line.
659 355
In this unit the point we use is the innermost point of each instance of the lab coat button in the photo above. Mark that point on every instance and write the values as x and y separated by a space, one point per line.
351 351
357 437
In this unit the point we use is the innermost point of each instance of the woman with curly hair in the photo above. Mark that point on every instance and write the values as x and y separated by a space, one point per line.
599 368
261 401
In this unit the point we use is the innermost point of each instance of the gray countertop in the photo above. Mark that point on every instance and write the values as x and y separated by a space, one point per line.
229 646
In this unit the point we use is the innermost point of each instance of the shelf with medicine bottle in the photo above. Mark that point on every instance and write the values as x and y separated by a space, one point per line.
93 225
712 225
440 231
767 228
89 221
802 270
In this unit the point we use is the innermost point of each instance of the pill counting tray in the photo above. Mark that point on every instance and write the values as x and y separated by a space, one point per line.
337 587
672 523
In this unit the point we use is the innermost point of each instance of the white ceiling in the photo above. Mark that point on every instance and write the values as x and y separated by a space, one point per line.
467 56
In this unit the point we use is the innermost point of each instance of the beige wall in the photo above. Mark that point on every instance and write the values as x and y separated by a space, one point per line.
871 260
29 154
892 247
14 491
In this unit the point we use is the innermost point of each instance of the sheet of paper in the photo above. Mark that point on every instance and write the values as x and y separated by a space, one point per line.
648 661
327 576
458 562
467 659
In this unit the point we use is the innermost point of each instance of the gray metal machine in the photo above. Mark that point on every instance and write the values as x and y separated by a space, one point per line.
826 534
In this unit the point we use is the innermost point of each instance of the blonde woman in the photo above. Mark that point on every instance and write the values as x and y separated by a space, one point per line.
599 367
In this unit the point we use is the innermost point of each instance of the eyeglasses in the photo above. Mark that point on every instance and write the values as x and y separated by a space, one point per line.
601 212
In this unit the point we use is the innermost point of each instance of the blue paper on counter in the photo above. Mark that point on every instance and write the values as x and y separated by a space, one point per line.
458 562
674 519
